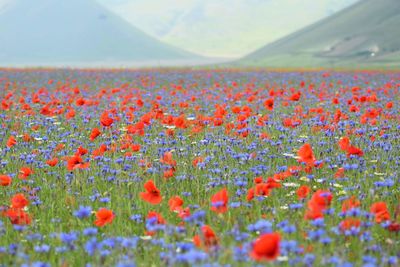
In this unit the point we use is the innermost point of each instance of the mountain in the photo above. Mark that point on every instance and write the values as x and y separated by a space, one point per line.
48 32
364 34
223 28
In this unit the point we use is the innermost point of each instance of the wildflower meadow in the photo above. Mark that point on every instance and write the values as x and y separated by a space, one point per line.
202 167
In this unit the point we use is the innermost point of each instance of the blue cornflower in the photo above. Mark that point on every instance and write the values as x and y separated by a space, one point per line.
235 204
83 212
393 260
137 218
62 249
317 234
261 226
319 222
104 199
91 246
68 238
42 248
295 206
197 217
19 228
105 252
13 248
40 264
325 240
125 264
129 242
191 257
90 231
309 259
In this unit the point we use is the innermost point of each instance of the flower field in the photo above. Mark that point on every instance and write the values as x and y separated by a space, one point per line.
176 167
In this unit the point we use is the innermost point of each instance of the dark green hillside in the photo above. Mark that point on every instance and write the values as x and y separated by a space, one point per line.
366 34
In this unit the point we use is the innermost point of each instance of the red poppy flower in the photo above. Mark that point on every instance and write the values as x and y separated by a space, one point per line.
59 147
344 143
18 216
381 212
80 102
317 204
262 189
52 162
11 142
5 180
100 151
137 129
81 151
19 201
322 198
219 201
349 223
350 203
295 96
266 247
169 173
25 172
250 194
70 114
104 217
184 212
26 137
94 134
106 120
303 191
181 122
258 180
339 173
306 154
269 104
153 214
272 183
352 150
197 160
152 194
207 239
5 105
76 162
158 220
167 159
175 204
313 213
236 109
170 132
135 147
394 227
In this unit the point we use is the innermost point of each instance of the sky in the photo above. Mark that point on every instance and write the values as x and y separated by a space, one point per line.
223 28
211 28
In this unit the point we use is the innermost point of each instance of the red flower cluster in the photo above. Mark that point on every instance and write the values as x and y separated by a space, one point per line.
319 202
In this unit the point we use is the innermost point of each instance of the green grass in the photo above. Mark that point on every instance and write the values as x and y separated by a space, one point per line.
61 198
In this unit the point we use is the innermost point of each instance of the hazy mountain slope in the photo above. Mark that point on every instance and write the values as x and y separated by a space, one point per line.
229 28
73 31
366 33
